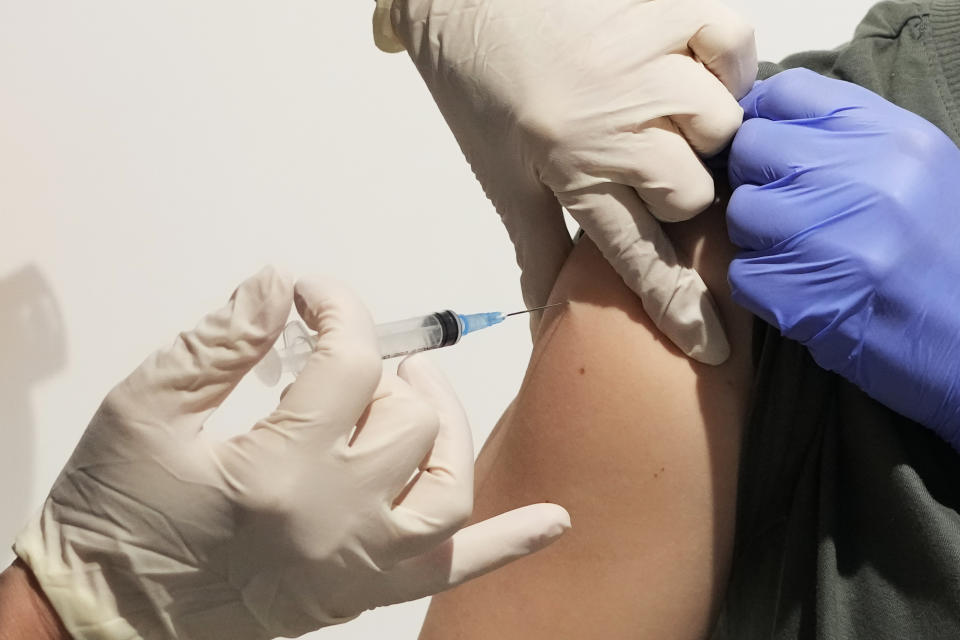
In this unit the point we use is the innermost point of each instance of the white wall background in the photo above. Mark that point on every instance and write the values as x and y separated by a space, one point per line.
154 154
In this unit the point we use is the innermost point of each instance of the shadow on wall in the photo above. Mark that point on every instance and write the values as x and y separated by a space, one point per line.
32 348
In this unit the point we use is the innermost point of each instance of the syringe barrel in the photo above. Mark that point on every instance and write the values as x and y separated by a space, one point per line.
431 331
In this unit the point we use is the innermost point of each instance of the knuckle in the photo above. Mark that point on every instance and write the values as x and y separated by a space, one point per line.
874 267
459 510
714 130
115 403
738 204
729 121
920 140
743 37
122 405
875 259
793 84
743 153
542 122
747 137
737 276
689 201
743 287
730 41
270 496
736 37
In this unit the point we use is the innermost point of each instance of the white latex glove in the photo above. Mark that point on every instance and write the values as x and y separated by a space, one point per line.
154 530
598 107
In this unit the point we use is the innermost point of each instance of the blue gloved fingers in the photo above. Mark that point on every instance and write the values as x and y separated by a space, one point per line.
748 286
753 219
761 217
797 94
764 151
757 277
781 286
852 253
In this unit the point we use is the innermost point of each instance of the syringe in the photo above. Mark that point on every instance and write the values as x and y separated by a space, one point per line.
400 338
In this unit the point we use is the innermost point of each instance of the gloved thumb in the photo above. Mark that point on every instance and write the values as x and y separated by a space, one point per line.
476 550
534 222
673 296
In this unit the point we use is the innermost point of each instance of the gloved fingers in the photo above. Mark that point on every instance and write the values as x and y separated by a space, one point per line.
534 222
440 499
394 435
725 44
760 217
801 94
749 276
180 386
670 178
338 381
705 112
476 550
771 286
764 151
674 297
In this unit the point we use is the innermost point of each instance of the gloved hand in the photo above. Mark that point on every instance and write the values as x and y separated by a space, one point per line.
154 530
596 107
847 207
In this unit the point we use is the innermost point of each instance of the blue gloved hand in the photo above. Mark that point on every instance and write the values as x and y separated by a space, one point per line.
847 209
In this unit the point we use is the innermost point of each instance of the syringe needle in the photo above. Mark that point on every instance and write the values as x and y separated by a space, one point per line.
546 306
431 331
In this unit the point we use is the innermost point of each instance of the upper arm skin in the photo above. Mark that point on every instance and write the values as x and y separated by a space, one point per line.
638 442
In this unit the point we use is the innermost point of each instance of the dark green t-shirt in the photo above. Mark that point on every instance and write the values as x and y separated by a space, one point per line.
847 514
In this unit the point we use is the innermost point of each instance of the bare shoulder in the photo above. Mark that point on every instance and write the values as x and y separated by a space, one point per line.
640 445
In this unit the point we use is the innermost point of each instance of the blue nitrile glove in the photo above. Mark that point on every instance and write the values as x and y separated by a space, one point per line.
848 211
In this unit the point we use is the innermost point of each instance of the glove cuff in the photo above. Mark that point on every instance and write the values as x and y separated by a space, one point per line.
384 35
76 593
